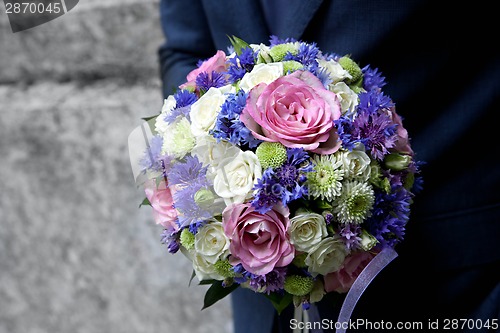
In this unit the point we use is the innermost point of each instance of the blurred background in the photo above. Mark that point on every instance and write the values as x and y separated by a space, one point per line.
77 254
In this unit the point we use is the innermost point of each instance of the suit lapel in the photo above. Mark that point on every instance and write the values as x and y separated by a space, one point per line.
248 17
298 17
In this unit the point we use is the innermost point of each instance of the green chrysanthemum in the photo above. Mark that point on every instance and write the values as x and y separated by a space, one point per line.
224 268
298 285
354 203
187 239
353 68
279 51
291 66
271 154
325 180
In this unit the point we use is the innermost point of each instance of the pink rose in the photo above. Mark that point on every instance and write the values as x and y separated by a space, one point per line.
161 201
295 110
402 142
259 242
342 279
216 63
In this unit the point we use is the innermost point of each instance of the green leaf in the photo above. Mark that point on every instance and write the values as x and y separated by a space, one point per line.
238 44
149 118
280 302
216 292
145 202
192 277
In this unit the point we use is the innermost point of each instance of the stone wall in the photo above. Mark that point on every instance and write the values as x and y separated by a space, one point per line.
77 254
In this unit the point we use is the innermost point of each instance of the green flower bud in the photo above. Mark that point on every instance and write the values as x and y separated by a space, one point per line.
352 67
298 285
279 51
187 239
397 162
271 154
224 268
367 240
204 198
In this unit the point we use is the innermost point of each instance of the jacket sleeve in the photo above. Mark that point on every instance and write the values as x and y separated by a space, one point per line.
187 40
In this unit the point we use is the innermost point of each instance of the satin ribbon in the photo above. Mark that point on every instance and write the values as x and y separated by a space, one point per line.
374 267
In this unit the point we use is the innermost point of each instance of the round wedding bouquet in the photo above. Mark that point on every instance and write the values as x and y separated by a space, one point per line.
281 169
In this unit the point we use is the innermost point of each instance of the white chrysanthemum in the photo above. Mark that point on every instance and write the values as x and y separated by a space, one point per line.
178 140
325 180
354 203
356 164
347 97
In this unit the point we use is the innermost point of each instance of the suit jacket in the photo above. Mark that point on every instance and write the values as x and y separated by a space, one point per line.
446 86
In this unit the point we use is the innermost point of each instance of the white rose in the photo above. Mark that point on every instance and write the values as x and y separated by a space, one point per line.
306 230
211 242
236 177
204 269
211 153
347 97
336 72
178 140
204 111
161 126
327 256
356 164
266 73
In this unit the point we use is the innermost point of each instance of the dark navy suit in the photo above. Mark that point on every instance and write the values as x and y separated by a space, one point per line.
442 68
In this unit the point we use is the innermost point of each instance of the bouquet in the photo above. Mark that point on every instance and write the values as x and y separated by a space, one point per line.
281 169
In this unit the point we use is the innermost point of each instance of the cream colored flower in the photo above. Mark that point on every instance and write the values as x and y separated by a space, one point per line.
327 256
211 242
307 230
204 111
261 73
236 176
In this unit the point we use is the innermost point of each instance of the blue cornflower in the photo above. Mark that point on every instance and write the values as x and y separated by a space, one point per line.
171 238
189 172
268 283
376 131
373 101
390 214
183 100
307 55
205 81
152 158
228 125
283 184
345 129
275 40
372 79
241 64
190 213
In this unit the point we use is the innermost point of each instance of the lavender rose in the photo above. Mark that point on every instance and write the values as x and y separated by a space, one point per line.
295 110
258 242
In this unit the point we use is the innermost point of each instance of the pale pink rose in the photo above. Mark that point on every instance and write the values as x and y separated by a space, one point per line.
341 280
259 242
403 142
216 63
162 202
295 110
